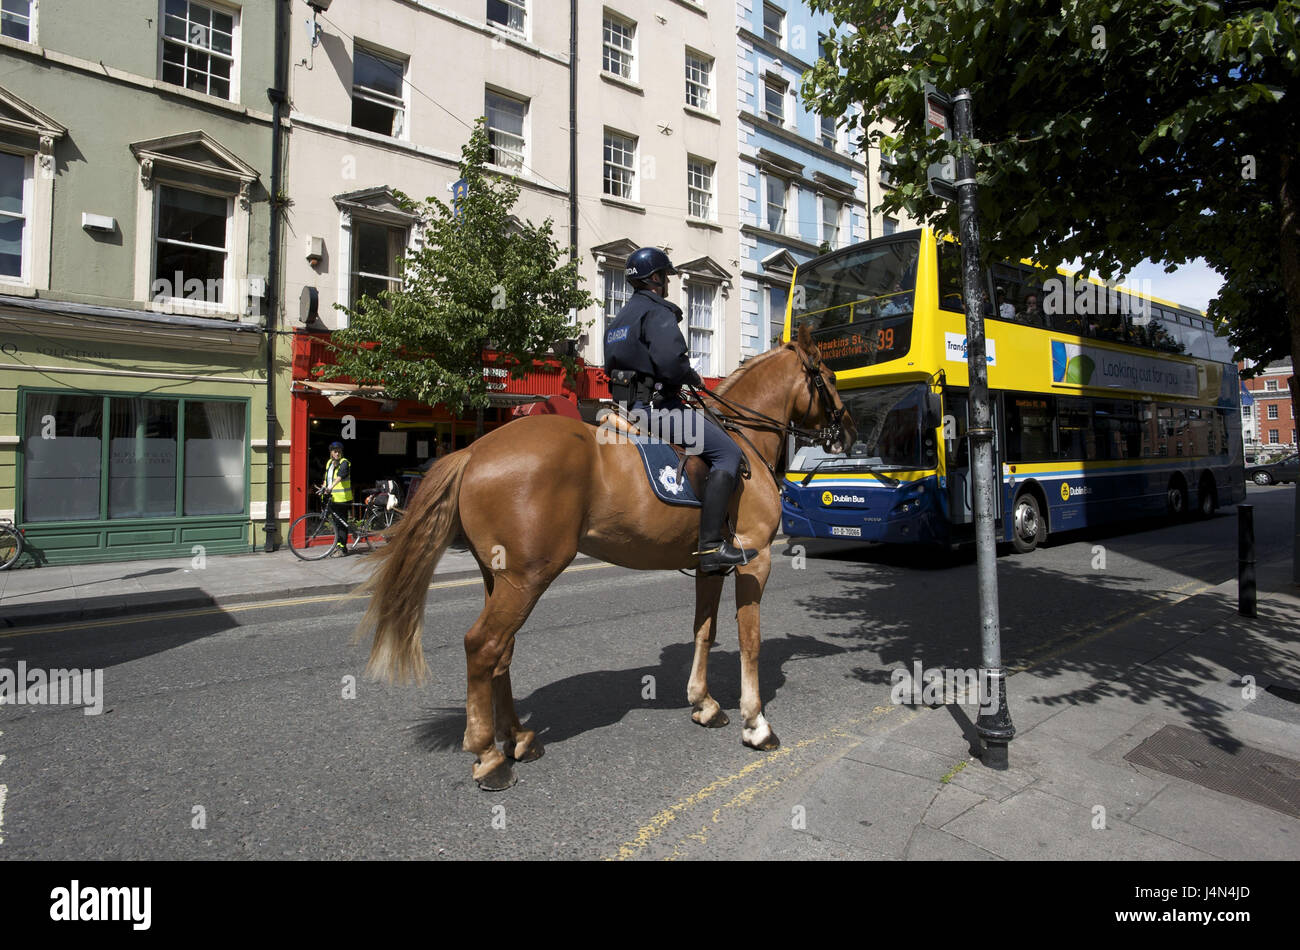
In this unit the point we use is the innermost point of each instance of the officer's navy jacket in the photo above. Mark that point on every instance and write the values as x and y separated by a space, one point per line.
663 355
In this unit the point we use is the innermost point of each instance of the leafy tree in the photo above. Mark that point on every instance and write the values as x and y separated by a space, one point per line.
480 278
1106 130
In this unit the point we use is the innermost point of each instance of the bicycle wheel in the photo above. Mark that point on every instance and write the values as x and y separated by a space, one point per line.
311 537
360 541
381 519
11 545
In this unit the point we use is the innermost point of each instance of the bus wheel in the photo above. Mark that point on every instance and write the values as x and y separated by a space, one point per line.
1208 499
1028 527
1176 498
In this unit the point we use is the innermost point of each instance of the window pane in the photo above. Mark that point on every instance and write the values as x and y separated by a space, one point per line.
61 474
11 247
374 117
142 458
12 175
214 458
15 19
383 75
371 247
192 217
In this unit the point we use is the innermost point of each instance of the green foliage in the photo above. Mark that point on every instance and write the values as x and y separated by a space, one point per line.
1106 130
478 278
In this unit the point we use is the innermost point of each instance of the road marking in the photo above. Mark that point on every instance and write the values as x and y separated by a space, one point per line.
658 824
240 608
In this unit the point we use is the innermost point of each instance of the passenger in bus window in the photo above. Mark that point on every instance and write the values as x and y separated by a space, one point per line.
1006 309
1032 315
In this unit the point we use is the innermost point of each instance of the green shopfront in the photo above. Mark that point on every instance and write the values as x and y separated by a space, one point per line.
134 444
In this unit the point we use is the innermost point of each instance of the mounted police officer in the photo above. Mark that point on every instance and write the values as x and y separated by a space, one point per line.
648 362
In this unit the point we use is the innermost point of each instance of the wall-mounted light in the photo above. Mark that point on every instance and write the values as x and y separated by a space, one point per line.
315 251
313 28
98 222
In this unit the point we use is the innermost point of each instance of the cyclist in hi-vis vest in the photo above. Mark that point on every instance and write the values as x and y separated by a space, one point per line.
338 484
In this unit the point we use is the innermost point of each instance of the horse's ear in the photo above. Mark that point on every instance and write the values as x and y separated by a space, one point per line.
806 344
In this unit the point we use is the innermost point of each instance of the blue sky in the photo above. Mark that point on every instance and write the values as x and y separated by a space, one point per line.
1193 284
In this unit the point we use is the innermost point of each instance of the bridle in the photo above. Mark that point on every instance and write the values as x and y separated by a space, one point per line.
744 417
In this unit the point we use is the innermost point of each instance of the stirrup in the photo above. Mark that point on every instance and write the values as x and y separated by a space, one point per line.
717 560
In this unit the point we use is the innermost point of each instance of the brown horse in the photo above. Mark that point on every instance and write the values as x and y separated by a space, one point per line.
529 496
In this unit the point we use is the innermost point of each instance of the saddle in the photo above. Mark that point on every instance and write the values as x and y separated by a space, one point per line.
665 463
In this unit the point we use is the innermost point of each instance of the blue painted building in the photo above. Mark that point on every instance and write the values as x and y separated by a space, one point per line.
804 188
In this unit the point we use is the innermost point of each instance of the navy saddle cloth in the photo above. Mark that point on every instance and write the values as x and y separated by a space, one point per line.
660 461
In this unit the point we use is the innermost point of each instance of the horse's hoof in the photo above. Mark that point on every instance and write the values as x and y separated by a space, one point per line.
760 736
526 750
767 745
495 778
719 720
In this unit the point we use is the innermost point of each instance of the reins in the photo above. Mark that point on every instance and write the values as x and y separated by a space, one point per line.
746 418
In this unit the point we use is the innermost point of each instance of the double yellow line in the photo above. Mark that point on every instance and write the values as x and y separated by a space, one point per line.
118 620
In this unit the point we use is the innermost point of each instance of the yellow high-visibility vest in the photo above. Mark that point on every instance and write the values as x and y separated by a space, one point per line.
343 491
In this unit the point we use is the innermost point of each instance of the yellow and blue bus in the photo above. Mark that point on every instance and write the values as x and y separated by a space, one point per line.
1108 404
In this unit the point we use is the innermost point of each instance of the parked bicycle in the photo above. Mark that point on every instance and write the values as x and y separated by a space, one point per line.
11 544
312 537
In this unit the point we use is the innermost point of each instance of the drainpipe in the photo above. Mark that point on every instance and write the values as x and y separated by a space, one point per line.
573 130
277 97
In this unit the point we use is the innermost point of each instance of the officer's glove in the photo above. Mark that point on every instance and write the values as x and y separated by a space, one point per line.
695 380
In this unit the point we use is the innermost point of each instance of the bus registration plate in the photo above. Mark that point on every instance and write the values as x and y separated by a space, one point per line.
844 532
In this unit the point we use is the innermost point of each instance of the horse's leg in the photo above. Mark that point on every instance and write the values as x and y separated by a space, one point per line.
704 708
517 742
489 648
750 580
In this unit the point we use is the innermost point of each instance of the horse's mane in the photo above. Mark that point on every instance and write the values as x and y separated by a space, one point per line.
746 366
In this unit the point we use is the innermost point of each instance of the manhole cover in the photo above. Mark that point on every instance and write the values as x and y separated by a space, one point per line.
1257 776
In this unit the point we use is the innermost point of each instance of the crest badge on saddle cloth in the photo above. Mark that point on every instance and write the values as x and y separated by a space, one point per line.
668 480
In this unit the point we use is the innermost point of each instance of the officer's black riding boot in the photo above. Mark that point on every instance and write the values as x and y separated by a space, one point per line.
717 554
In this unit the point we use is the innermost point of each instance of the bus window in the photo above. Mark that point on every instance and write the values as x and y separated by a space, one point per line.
950 278
1076 436
1029 428
1119 435
867 282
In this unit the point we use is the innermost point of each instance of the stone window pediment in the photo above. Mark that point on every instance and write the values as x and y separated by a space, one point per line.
195 153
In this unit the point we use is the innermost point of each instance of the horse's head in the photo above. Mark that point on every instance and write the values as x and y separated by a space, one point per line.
817 402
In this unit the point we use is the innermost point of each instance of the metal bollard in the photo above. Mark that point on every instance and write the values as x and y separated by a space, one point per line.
1246 560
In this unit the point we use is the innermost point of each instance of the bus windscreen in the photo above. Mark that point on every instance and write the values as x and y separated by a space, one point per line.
889 420
860 302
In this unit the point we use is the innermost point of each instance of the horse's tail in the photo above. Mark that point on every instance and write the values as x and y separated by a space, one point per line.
400 583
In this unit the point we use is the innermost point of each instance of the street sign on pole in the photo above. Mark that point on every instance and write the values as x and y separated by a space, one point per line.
941 176
459 190
994 722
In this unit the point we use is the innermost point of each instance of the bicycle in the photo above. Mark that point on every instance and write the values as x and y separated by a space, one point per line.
311 537
11 544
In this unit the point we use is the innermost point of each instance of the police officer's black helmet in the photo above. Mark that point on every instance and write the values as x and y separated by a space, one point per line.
336 445
646 261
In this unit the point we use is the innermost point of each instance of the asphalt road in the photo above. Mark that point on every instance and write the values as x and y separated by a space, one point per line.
237 734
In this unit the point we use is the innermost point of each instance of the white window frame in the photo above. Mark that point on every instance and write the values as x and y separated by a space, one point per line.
771 7
236 42
823 203
773 83
693 58
521 6
822 120
1272 411
696 186
693 287
177 300
1270 385
620 46
402 104
1273 437
633 187
25 263
615 291
350 271
504 97
33 7
782 225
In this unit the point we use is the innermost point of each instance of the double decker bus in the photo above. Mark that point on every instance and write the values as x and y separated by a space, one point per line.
1108 405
